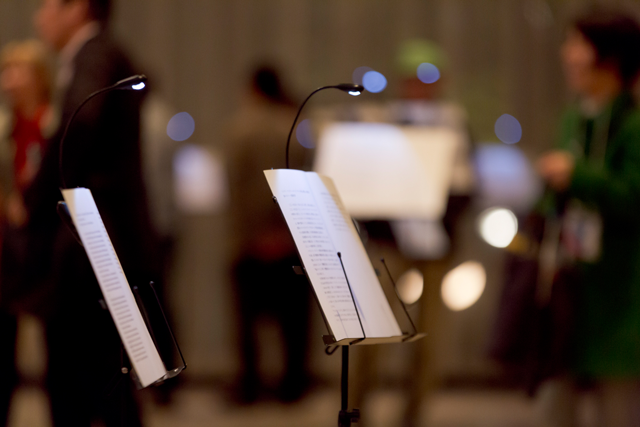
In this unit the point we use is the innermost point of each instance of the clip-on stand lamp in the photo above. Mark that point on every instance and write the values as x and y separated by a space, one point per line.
136 82
345 417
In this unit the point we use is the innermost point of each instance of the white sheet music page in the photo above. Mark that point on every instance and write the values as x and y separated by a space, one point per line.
321 228
390 172
116 291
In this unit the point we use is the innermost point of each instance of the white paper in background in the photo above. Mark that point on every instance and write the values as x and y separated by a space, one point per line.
116 291
200 183
390 172
321 227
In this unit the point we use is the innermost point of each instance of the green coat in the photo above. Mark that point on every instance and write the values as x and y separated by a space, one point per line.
607 179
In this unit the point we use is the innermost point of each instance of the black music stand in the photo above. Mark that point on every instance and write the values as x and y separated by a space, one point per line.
152 312
345 417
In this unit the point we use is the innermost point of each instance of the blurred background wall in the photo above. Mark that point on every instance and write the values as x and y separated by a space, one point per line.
503 59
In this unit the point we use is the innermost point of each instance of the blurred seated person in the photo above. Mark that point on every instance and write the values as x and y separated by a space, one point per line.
422 67
24 125
420 102
594 182
264 253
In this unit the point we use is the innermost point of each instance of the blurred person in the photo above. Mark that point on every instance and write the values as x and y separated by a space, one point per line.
594 182
264 281
427 243
422 101
102 153
25 80
425 104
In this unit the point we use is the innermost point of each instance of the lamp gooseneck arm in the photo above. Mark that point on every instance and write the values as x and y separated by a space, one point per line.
66 130
128 83
296 119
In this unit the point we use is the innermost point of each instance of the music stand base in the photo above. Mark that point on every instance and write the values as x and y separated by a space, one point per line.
345 418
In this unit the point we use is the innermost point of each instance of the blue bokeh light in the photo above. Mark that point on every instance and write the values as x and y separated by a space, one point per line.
181 127
508 129
304 134
428 73
374 81
358 74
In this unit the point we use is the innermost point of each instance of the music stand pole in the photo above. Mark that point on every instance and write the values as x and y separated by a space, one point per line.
346 417
344 381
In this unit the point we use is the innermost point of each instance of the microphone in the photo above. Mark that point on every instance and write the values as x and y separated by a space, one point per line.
136 82
351 89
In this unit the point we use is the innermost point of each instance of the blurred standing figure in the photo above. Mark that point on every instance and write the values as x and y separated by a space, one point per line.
595 180
26 83
102 153
264 254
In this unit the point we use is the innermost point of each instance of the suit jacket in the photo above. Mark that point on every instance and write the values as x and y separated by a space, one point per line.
102 153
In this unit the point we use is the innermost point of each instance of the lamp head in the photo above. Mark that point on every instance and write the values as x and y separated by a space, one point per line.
137 82
350 88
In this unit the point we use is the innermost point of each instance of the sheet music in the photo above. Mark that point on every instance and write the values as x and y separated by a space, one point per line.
390 172
116 291
321 228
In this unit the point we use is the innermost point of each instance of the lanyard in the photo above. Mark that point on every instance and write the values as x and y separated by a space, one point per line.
599 138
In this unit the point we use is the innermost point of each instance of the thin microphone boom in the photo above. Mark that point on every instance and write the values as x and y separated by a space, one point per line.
351 89
137 82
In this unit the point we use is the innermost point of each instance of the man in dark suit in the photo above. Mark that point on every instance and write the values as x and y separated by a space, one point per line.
102 153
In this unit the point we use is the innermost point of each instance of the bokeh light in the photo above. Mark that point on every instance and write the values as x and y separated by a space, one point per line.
463 286
199 180
358 74
410 286
181 127
374 81
498 226
508 129
505 177
428 73
304 134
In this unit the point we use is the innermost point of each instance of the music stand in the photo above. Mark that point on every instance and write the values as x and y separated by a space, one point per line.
352 302
138 303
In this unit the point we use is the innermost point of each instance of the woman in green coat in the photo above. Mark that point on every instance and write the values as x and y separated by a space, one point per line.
596 174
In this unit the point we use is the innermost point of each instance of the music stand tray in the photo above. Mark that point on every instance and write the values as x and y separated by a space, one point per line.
137 313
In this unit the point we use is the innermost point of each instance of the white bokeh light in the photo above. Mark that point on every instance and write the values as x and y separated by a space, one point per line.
498 226
464 285
410 286
200 185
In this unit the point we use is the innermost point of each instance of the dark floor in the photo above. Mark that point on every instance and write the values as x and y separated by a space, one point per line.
203 407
